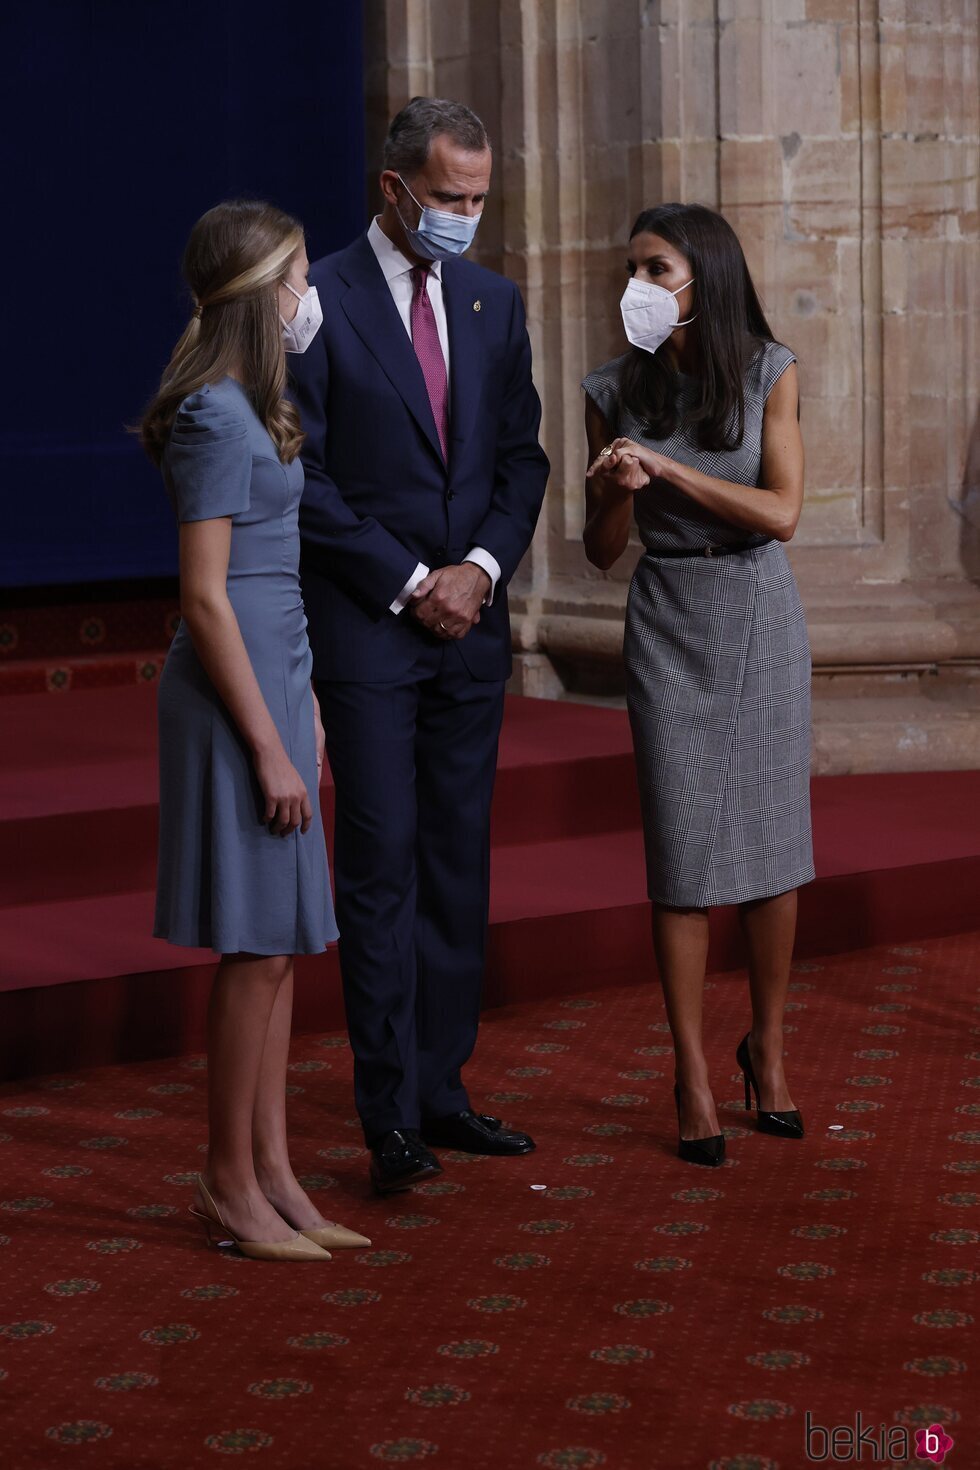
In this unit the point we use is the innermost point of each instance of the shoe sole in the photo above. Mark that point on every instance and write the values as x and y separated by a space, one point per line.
405 1181
492 1153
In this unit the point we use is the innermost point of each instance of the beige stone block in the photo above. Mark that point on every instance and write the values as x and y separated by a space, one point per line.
606 211
806 81
609 99
829 518
931 14
810 279
894 275
927 461
840 11
696 83
893 90
829 349
760 232
598 22
745 71
936 355
699 173
849 58
755 12
925 81
929 262
832 438
670 165
963 118
823 188
925 181
450 32
535 677
405 31
750 172
692 14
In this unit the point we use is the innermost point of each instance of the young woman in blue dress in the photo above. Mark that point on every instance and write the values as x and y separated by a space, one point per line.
242 862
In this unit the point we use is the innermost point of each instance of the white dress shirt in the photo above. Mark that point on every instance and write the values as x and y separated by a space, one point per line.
398 273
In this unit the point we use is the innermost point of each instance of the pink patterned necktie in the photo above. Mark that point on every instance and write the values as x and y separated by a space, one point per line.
428 350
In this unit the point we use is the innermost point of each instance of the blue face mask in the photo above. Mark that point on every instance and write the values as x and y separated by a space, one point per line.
440 234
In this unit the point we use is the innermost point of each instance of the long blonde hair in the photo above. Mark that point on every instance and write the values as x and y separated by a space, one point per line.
237 255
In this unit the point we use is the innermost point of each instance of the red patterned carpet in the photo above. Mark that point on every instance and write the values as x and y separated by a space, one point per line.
637 1313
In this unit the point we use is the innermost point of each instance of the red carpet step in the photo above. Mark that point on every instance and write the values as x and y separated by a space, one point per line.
53 640
81 981
637 1313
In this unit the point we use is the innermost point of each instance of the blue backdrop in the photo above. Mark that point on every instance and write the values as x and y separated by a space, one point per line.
125 122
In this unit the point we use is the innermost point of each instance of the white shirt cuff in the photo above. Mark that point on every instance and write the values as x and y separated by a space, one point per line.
401 601
490 565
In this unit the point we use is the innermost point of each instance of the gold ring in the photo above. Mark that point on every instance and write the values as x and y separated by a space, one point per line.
444 628
604 452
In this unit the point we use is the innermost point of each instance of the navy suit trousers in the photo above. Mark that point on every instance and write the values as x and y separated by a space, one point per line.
413 762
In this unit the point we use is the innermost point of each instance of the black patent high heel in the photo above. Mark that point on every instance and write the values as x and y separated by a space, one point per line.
780 1125
708 1151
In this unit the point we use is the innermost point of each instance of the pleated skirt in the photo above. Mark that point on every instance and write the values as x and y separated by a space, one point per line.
718 691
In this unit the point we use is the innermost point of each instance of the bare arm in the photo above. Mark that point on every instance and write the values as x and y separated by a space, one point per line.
608 493
773 508
210 618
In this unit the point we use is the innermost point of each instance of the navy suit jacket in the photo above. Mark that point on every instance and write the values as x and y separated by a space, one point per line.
379 497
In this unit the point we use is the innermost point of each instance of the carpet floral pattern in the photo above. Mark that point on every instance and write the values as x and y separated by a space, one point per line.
635 1312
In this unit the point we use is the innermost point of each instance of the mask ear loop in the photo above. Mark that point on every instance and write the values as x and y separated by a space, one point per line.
675 295
420 207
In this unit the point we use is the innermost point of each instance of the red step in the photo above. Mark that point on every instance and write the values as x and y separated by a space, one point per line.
78 789
898 857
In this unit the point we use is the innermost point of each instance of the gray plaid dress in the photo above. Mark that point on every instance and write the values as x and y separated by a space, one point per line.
718 675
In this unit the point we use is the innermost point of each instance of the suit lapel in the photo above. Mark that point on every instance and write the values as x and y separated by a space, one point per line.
466 355
374 316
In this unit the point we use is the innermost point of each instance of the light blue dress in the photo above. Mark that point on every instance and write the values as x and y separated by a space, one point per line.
224 881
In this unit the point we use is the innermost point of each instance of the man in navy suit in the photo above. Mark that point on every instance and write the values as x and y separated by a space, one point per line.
424 480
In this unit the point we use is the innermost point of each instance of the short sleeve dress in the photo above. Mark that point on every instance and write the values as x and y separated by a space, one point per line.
224 881
718 672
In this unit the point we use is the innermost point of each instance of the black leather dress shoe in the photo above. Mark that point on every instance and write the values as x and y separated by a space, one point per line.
475 1133
399 1160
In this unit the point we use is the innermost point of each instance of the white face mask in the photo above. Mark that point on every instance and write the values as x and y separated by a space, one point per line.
650 313
299 333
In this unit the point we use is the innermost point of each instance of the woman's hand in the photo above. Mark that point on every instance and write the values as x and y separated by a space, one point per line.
620 469
320 737
655 465
287 804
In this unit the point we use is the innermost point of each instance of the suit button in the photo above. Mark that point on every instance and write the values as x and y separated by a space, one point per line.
440 551
450 494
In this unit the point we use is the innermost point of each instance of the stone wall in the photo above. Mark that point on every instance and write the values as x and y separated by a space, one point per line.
840 138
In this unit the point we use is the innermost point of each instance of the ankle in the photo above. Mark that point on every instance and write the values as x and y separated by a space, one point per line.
229 1181
274 1174
767 1043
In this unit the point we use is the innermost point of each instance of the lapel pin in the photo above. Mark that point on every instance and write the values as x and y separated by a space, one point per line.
477 306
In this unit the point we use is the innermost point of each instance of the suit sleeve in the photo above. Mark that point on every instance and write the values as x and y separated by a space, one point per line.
355 551
521 471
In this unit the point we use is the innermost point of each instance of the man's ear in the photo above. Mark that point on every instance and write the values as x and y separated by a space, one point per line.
389 185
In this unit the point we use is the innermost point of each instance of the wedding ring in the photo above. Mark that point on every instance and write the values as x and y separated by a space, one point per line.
604 452
444 628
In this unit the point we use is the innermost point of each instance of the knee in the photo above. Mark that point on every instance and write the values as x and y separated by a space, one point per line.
671 911
268 969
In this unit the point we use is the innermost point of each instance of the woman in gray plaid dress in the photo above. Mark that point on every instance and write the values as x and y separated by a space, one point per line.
695 432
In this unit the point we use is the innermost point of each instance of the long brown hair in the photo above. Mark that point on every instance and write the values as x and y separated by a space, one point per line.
237 254
730 327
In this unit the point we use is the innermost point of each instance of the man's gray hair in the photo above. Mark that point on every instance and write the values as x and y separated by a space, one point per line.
410 135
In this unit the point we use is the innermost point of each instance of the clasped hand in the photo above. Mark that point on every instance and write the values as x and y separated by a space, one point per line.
627 465
448 600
